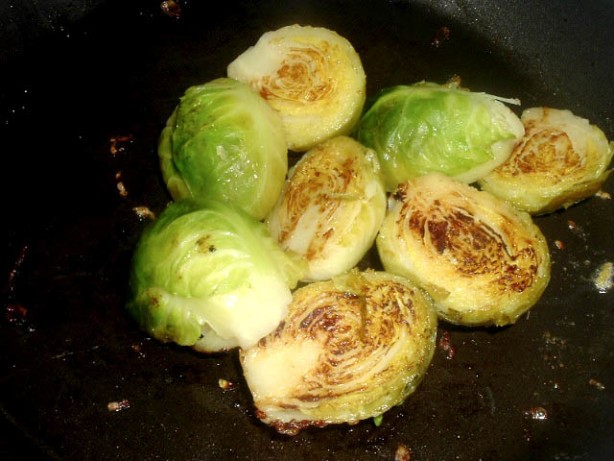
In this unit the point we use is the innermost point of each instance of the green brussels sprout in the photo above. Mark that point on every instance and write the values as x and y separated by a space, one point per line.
425 127
223 141
209 276
561 160
331 207
349 349
482 261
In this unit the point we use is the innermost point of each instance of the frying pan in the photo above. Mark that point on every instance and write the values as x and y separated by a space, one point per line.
87 88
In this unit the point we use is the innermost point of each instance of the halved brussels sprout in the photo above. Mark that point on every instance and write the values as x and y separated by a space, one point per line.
561 160
209 276
311 75
224 142
426 127
331 207
482 261
349 349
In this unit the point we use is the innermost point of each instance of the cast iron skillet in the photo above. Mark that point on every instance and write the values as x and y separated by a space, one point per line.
87 90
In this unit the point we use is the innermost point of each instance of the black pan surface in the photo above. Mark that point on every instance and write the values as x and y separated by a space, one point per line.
83 101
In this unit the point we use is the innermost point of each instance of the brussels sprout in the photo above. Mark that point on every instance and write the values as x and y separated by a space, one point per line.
224 142
311 75
331 207
349 349
481 260
426 127
210 276
561 160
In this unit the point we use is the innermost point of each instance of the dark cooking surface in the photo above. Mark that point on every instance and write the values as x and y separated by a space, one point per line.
541 389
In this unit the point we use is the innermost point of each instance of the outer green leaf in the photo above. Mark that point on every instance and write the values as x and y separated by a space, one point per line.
223 141
425 127
210 276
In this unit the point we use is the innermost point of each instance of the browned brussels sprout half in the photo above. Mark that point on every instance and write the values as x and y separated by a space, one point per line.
331 207
561 160
482 261
349 349
311 76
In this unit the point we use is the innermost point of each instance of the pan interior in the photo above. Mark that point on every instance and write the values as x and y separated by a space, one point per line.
83 105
